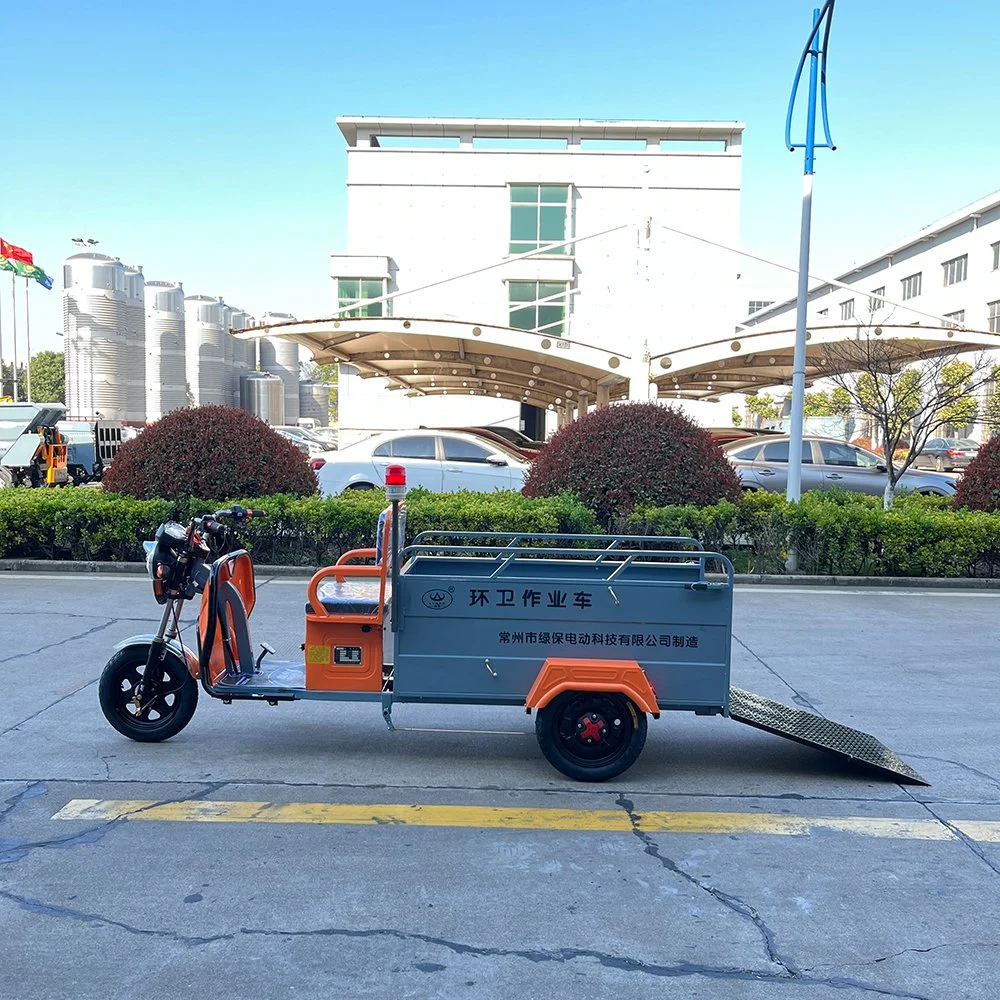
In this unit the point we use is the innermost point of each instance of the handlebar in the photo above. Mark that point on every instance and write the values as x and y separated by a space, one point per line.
212 523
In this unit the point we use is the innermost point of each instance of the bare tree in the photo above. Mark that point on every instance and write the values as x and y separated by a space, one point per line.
905 400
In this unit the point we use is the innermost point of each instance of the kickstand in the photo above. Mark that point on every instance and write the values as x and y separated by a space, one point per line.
387 712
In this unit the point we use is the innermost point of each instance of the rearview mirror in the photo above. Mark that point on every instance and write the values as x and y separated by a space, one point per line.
498 461
882 467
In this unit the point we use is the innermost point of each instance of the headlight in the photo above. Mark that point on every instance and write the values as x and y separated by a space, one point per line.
150 548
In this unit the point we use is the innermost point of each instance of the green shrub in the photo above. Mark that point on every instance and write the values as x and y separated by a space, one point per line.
619 457
843 534
209 451
303 531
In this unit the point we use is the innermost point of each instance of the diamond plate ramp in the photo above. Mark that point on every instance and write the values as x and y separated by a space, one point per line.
814 731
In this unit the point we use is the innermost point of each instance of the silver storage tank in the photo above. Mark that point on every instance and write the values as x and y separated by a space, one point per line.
135 343
166 380
236 354
94 325
281 357
314 402
263 395
205 330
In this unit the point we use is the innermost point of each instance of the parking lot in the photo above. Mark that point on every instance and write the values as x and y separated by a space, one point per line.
305 851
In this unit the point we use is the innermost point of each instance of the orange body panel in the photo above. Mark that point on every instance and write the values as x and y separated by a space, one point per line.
323 637
624 676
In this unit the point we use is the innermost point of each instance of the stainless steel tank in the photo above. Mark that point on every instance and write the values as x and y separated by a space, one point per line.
236 354
314 402
166 379
95 310
263 395
205 333
281 357
135 344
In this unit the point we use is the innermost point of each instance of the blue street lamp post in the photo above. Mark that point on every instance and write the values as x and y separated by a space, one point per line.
815 51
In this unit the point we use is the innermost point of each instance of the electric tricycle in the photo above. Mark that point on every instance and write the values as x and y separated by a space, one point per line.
595 634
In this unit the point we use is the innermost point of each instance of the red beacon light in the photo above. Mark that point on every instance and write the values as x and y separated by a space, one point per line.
395 482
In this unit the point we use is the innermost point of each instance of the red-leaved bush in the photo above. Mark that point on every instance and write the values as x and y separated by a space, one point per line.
618 457
212 452
979 487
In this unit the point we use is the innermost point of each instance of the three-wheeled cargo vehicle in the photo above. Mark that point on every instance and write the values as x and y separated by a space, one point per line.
594 634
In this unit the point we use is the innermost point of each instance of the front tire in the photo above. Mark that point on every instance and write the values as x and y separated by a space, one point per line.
166 715
591 736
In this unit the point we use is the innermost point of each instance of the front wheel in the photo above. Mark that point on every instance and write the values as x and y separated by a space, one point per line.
152 720
591 736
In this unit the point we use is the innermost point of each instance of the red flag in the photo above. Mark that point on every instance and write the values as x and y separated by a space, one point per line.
12 252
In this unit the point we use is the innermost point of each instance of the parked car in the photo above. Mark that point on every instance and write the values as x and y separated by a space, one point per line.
762 464
304 440
945 454
723 435
440 461
506 437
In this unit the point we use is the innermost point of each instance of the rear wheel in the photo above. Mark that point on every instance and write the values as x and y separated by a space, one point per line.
591 736
154 719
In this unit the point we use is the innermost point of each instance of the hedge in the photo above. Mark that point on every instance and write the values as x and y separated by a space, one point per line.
299 531
838 533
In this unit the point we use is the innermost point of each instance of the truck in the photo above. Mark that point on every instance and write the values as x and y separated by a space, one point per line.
32 451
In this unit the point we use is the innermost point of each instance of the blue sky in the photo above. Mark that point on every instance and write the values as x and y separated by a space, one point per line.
197 139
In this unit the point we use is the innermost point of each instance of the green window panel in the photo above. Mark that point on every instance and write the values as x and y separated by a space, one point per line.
539 215
538 306
352 290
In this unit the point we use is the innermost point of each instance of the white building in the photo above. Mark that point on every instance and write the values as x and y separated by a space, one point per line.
431 199
948 271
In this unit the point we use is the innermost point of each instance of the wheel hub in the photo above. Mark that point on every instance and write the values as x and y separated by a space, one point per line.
591 728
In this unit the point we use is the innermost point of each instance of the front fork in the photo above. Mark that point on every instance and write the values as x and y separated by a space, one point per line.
148 688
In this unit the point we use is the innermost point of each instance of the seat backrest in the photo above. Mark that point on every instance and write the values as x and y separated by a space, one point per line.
223 623
383 533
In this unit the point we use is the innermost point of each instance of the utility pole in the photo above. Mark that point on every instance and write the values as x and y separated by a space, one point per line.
815 51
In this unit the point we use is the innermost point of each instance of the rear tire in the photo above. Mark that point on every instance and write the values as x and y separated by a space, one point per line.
589 735
166 715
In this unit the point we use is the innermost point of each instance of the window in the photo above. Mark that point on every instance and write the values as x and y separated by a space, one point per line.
754 304
847 309
823 312
745 454
912 285
352 290
777 451
408 447
539 215
994 316
843 454
457 450
877 298
955 270
538 305
996 256
956 318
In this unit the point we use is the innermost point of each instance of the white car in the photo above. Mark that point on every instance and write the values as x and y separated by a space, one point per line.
442 462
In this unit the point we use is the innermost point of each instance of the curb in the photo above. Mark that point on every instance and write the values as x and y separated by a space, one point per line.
305 572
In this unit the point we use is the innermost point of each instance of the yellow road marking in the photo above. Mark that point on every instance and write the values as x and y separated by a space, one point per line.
501 817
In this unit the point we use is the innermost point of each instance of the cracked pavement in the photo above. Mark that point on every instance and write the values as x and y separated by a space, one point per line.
145 909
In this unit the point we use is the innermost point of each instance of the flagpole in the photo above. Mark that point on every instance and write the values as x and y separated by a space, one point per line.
27 334
13 309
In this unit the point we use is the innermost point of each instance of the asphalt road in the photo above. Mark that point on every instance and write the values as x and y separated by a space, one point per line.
726 863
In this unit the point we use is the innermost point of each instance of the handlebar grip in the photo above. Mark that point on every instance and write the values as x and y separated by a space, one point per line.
257 513
213 527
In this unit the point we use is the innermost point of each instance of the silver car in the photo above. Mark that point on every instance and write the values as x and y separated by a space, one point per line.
762 464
